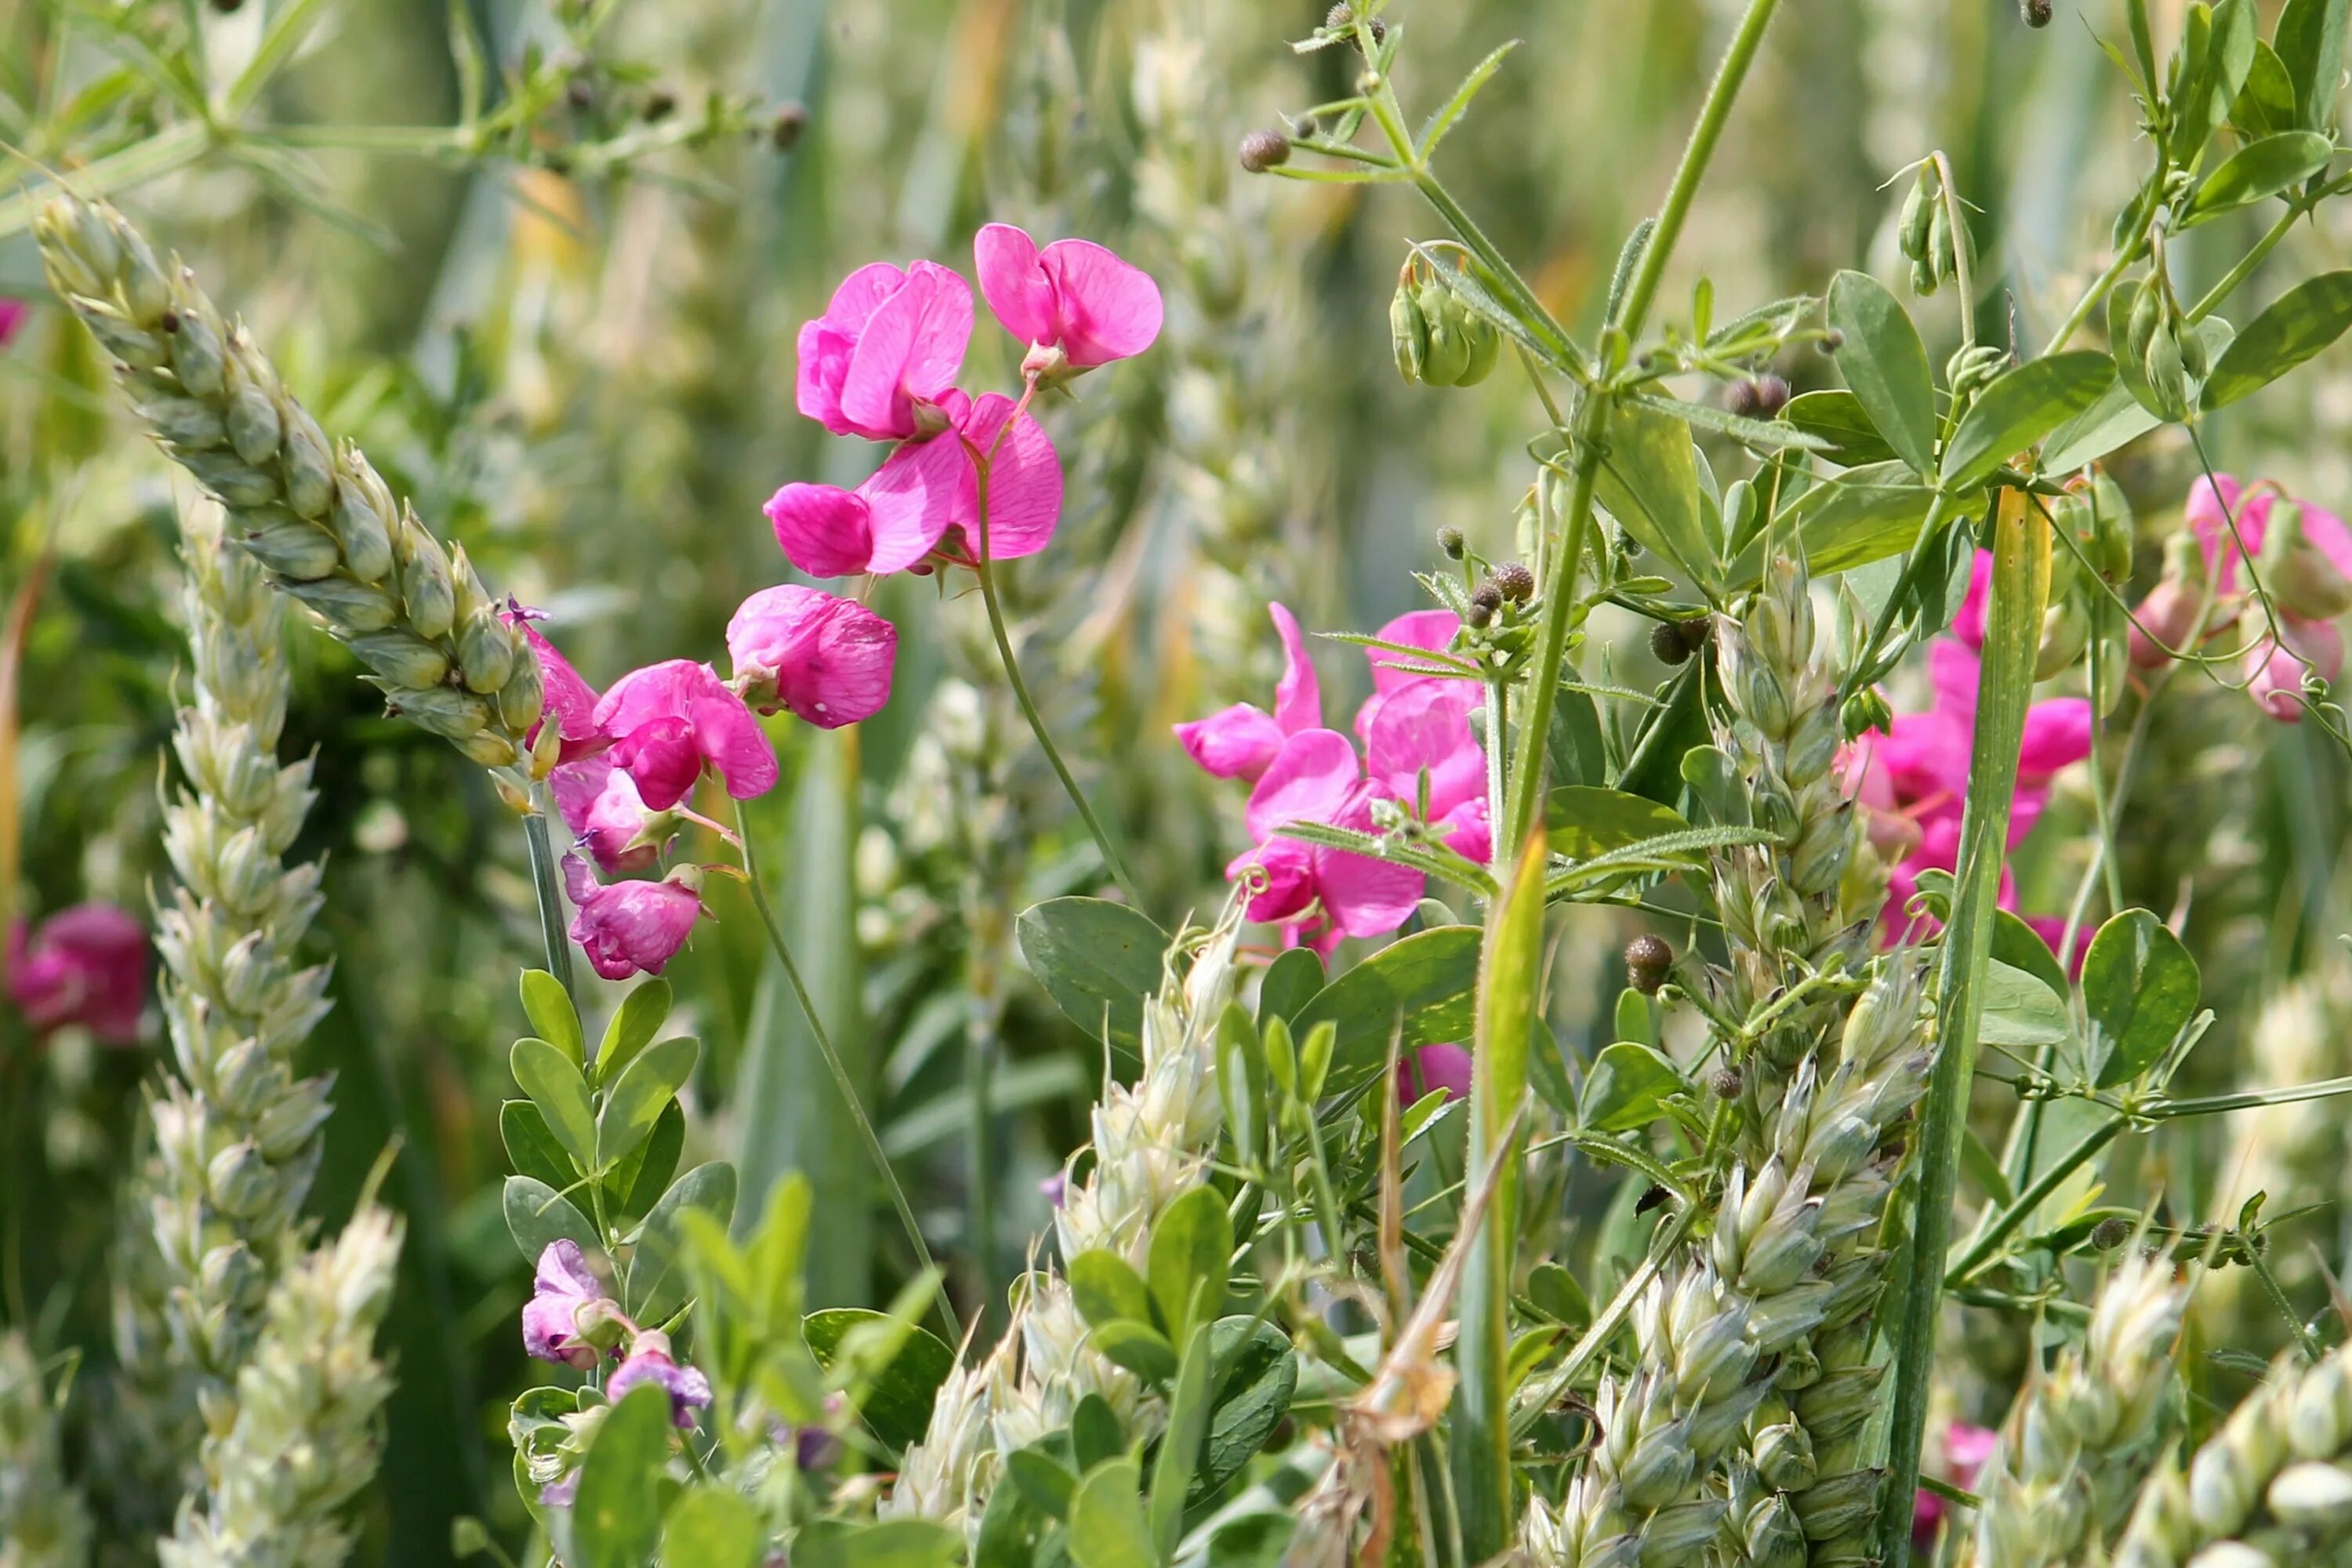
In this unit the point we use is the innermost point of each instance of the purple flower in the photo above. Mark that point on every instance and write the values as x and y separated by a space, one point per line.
85 966
826 658
668 721
649 1361
1445 1068
630 928
552 1326
886 352
1074 298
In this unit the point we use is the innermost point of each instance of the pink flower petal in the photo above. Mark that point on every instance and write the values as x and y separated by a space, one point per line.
629 927
1108 308
600 804
825 532
661 759
1433 1069
85 964
1473 835
668 719
1426 726
912 501
1024 483
1309 780
2275 666
1299 695
2057 735
14 314
2210 512
1954 672
826 658
1237 742
1364 897
909 350
826 344
732 740
1431 629
1288 867
1004 258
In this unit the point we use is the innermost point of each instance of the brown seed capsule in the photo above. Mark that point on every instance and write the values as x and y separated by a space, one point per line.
1696 631
2111 1233
1264 149
1516 583
1449 539
1647 959
784 133
1484 603
1727 1083
1666 643
580 93
660 104
2035 12
1760 397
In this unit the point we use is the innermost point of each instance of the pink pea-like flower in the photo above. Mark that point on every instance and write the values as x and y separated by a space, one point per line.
85 966
600 804
649 1361
927 491
1321 894
670 721
826 658
13 313
571 703
632 928
1966 1448
2275 666
1418 737
1074 300
1241 741
552 1326
1432 1069
886 352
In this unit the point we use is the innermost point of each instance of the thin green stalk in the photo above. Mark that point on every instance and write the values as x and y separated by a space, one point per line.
840 1072
979 1072
2021 588
2097 292
2246 264
1993 1233
552 933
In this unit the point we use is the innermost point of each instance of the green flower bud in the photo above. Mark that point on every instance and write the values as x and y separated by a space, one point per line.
241 1182
293 548
309 468
1912 235
198 358
523 696
1409 334
2167 376
253 427
427 589
486 652
1486 348
228 477
2065 630
1449 346
2146 315
1924 282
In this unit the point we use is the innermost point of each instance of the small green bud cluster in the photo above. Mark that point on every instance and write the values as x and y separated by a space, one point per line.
314 512
1439 340
42 1521
2173 358
1927 236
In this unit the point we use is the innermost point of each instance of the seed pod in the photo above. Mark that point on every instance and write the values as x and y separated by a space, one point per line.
1939 239
1912 236
1923 282
1264 149
2194 357
1449 347
1649 959
401 657
1666 644
490 749
2147 311
1514 582
1449 539
1486 347
2167 377
1409 334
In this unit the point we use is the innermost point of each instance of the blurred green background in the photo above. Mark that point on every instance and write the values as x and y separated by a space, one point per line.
580 362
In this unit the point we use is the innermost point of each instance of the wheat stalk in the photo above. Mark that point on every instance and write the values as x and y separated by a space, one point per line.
42 1523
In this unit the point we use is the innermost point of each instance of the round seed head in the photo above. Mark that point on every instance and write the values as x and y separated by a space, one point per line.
1759 397
1514 581
1666 643
1264 149
1647 959
784 131
1450 541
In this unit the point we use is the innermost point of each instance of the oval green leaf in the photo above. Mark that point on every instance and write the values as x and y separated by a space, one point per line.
1107 1289
2139 991
2017 409
617 1518
555 1085
713 1527
635 1022
1627 1087
1885 364
1098 961
657 1272
1837 417
1649 482
1427 982
1107 1529
2296 325
532 1148
537 1213
2257 170
1138 1347
898 1405
648 1086
1191 1255
548 1007
1581 823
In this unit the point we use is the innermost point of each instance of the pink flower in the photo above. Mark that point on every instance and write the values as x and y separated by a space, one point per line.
553 1325
1969 624
85 966
2275 666
649 1361
2214 504
886 352
13 313
630 928
1241 741
925 490
1440 1068
570 701
826 658
1320 894
1966 1448
600 804
1074 297
1422 732
668 721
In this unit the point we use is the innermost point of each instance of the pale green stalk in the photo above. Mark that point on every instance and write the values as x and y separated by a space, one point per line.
309 1426
42 1522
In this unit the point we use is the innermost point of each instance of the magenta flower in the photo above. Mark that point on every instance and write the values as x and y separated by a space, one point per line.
13 313
670 721
649 1361
2275 664
571 703
600 804
632 928
1966 1448
883 357
2304 553
826 658
1075 304
85 966
1241 741
927 491
1419 736
568 1309
1320 894
1434 1068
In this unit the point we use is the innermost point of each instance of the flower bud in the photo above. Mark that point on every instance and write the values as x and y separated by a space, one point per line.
239 1181
1783 1454
490 750
523 698
247 972
362 516
1264 149
253 423
2065 628
1774 1538
288 1127
1864 711
2302 581
402 658
246 1077
1925 195
426 586
1759 397
1450 541
486 652
1448 355
2170 613
1486 345
2296 655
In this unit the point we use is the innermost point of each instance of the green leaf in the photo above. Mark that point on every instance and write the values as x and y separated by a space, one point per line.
2265 105
1261 1376
892 1543
2295 326
1884 362
1107 1289
2310 42
2020 1013
1837 417
635 1022
897 1404
555 1085
1428 981
2017 409
617 1517
2257 170
538 1214
1180 1445
2139 990
532 1148
1573 743
648 1086
638 1181
2019 946
1013 1533
548 1008
1582 823
1107 1529
1138 1347
657 1269
1649 482
713 1527
1459 104
778 1248
2116 419
1048 1484
2220 55
1627 1087
1848 520
1098 961
1095 1434
1291 982
1192 1249
1252 1540
1556 1293
1762 435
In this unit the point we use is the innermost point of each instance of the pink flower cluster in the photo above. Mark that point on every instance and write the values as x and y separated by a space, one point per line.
2304 555
882 364
571 1319
1416 732
1913 779
86 965
627 761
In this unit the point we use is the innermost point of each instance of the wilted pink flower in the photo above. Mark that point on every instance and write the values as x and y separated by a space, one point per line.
1434 1068
1966 1448
1241 741
1320 894
630 928
886 352
2275 666
927 491
553 1327
13 315
649 1361
668 721
85 966
1074 299
826 658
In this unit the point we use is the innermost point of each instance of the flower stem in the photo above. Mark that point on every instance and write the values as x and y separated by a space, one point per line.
841 1079
543 882
979 1072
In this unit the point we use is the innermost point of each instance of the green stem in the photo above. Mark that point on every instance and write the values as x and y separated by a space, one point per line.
2097 292
2031 1198
158 156
840 1072
979 1069
2020 587
2246 265
552 933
